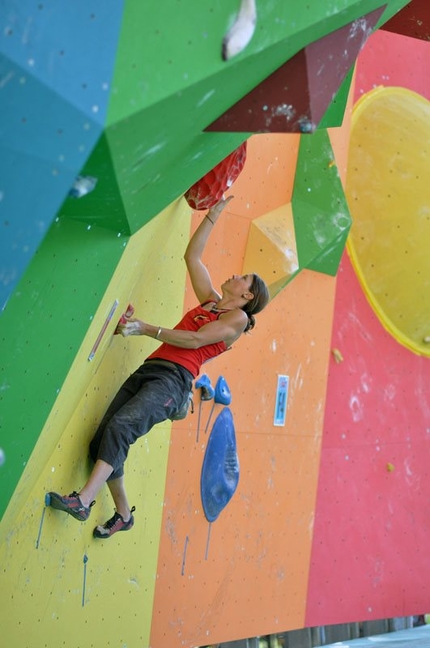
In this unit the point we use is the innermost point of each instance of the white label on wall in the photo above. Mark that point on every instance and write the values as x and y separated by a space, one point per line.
281 400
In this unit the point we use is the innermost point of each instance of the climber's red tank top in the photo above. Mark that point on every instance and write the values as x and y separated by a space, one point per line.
191 359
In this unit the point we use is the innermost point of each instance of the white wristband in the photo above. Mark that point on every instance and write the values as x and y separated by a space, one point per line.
157 337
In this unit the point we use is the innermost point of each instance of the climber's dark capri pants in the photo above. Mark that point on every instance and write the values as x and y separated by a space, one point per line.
153 393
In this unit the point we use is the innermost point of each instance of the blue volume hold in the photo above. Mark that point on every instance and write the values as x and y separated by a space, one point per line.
222 392
220 470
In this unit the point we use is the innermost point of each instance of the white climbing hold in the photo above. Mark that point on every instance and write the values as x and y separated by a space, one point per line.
242 30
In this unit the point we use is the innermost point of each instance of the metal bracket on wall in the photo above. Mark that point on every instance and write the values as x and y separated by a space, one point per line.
103 329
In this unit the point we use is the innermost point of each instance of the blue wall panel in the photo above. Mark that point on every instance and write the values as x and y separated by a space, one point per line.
56 65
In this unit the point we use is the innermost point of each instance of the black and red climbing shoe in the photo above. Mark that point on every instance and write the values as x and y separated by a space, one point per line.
70 504
116 523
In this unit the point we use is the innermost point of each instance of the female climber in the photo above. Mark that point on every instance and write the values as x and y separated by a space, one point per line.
161 386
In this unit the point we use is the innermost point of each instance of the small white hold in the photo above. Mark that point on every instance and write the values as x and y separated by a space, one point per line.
2 457
82 186
242 30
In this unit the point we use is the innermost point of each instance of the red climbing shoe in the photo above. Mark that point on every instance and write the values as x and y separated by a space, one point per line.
116 523
70 504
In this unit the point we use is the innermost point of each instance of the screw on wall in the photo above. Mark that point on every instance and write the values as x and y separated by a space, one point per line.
47 503
222 396
206 393
85 561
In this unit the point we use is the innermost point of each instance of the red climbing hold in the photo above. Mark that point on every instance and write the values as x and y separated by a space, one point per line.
209 190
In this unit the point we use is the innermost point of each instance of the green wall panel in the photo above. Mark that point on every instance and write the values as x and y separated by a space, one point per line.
104 205
167 47
321 215
42 330
336 111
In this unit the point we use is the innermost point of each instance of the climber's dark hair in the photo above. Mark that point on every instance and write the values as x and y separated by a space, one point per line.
260 299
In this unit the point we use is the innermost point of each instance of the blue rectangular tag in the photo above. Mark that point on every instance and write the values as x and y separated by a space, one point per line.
281 400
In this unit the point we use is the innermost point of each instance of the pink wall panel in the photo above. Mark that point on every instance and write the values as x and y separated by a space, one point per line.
369 557
392 60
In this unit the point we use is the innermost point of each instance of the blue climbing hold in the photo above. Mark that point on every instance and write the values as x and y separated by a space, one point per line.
220 470
207 391
222 392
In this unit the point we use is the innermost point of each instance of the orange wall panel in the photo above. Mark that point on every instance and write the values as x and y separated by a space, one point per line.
247 573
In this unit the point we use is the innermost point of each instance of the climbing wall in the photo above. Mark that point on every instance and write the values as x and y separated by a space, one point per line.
83 108
59 557
72 266
137 161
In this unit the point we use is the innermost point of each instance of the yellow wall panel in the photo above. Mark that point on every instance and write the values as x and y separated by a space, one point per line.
44 550
271 251
388 192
